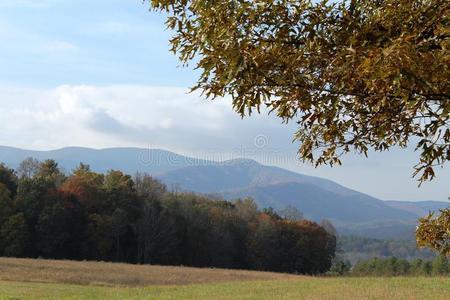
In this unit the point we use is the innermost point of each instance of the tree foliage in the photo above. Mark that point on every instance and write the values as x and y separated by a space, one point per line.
8 179
434 232
400 267
354 74
15 236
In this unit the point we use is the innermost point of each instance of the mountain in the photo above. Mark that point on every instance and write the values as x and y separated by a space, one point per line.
350 211
242 173
213 178
129 160
317 203
419 209
270 186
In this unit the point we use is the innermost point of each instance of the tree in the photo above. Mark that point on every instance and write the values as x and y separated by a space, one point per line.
427 268
99 237
440 266
8 179
321 244
120 192
6 211
434 232
49 171
6 204
28 167
155 234
417 267
32 197
87 186
124 207
155 228
60 227
355 75
271 212
15 236
148 187
246 209
291 213
119 226
263 244
290 246
340 267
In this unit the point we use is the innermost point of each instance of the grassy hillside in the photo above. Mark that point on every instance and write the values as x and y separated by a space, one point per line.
49 279
103 273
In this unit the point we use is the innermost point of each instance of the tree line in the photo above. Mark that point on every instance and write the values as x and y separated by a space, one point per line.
393 266
356 248
116 217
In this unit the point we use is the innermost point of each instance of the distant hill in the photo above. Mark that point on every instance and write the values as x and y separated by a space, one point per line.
237 174
351 211
419 209
129 160
317 203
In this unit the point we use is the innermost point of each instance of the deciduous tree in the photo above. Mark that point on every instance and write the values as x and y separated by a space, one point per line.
15 236
354 74
433 232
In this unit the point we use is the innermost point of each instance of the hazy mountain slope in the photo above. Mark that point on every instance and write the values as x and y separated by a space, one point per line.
379 229
243 173
129 160
420 208
317 203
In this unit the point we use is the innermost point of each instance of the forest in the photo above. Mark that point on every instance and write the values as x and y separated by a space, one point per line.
116 217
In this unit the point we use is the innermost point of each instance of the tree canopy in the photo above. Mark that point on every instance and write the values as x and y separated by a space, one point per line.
434 232
355 74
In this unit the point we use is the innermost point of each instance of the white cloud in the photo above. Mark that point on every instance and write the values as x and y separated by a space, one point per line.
137 115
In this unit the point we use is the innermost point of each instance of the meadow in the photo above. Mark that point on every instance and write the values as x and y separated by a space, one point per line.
51 279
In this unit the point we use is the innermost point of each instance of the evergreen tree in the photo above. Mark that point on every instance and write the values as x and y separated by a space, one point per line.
15 236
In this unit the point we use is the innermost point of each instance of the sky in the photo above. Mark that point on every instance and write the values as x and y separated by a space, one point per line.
99 74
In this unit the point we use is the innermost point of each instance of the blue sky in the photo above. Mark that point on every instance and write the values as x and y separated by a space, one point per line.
49 42
99 74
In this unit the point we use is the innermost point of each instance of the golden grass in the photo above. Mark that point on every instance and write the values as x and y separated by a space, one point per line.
102 273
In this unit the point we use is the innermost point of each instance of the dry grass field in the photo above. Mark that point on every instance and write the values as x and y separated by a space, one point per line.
50 279
102 273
